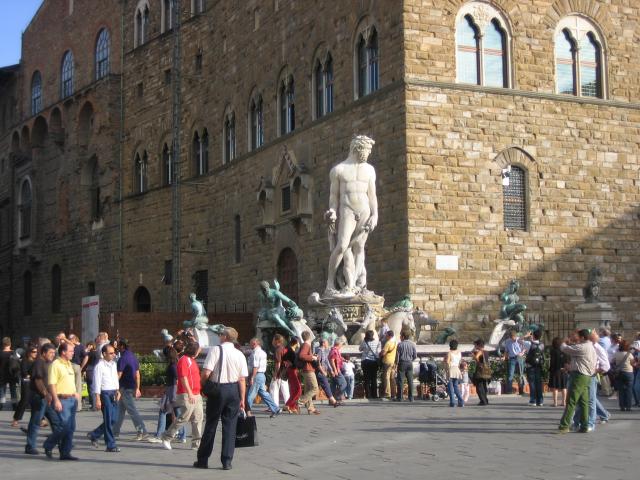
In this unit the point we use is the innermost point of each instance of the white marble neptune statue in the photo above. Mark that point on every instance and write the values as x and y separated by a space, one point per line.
352 215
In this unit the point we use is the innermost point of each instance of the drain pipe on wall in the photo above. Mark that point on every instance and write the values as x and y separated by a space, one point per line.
120 161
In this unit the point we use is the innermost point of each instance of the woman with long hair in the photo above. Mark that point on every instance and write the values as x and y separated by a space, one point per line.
480 357
557 372
289 364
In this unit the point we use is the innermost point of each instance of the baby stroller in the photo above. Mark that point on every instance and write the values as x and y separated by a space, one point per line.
436 383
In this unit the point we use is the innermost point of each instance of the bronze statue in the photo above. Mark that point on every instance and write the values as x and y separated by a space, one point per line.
511 309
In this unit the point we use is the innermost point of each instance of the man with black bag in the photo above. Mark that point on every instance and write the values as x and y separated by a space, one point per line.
223 382
535 364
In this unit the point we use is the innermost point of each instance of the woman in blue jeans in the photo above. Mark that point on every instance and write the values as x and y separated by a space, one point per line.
624 363
452 363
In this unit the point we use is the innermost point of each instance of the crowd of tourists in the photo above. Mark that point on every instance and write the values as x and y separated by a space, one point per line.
50 376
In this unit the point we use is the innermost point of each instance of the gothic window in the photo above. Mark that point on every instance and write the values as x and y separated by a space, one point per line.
66 76
323 86
28 293
139 31
36 93
201 152
514 198
367 63
482 46
167 15
102 54
229 134
167 165
579 58
286 100
237 239
56 289
141 173
25 209
142 300
257 122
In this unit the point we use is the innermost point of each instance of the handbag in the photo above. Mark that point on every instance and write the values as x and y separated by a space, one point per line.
483 370
246 431
378 359
211 389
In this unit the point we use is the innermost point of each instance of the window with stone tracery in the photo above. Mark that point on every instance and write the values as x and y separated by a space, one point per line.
229 135
579 58
323 86
287 106
256 122
66 76
102 54
367 62
482 46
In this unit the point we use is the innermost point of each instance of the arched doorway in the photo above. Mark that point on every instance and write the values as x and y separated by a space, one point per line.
288 274
142 300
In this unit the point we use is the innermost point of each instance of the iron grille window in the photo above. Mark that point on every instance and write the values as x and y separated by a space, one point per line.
514 198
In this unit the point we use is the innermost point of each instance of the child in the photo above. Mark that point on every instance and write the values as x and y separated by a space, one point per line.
464 383
349 375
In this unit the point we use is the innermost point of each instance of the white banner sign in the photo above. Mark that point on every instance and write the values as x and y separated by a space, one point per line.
90 317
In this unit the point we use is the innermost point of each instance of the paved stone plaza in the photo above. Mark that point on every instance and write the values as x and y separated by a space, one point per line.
507 440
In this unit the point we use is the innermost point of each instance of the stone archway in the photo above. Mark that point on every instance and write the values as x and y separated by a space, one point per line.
142 300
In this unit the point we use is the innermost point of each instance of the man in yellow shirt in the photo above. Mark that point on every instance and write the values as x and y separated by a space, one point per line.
388 356
64 402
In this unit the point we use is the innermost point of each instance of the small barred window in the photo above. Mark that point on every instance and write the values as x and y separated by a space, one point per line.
514 198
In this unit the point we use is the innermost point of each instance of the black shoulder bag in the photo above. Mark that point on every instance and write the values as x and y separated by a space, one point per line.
211 389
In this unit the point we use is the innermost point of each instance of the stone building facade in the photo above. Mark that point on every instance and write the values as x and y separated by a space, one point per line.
270 94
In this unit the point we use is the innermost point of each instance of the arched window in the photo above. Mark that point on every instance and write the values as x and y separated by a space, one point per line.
36 93
579 58
257 122
56 289
288 273
145 25
468 51
27 284
237 232
167 165
139 35
102 54
565 72
141 26
514 198
167 15
482 46
25 207
323 86
200 152
141 173
286 100
229 133
66 86
494 47
142 300
367 62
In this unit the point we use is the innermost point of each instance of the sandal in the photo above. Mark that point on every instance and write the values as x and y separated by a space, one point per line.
15 424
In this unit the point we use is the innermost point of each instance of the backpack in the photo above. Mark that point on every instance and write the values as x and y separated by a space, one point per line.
535 357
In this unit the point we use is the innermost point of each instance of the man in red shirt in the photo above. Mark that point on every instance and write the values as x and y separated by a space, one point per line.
188 398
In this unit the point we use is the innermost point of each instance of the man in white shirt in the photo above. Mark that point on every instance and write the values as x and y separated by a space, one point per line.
107 394
257 378
227 404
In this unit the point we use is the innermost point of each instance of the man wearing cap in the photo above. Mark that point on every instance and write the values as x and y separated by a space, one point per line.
230 400
64 401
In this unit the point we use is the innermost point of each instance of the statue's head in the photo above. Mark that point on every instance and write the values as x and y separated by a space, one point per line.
192 296
514 285
361 146
264 285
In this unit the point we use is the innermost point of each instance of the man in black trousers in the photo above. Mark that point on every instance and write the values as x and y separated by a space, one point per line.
230 373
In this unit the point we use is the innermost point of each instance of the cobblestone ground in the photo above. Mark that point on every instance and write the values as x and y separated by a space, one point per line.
506 440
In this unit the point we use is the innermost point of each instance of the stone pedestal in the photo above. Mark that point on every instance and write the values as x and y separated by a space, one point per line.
594 315
353 311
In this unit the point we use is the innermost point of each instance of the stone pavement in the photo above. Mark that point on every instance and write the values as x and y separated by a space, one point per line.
507 440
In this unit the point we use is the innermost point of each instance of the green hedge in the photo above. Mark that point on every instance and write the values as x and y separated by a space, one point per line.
152 370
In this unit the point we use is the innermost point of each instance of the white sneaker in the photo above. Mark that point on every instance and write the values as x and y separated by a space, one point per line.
166 444
142 437
155 440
